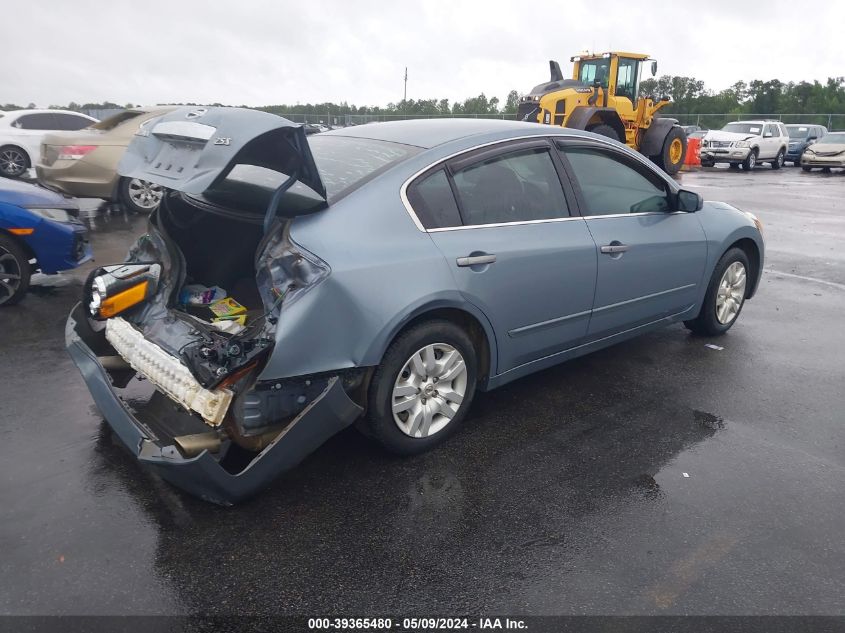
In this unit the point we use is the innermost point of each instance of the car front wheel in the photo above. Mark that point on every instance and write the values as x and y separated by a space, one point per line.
750 161
14 271
421 392
725 295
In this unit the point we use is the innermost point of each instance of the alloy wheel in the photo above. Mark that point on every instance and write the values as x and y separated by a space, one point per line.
12 162
10 275
146 195
731 293
429 390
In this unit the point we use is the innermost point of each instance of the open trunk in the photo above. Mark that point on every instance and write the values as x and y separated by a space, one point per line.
235 178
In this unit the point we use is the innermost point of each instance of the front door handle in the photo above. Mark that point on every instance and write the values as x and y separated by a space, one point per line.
476 260
610 249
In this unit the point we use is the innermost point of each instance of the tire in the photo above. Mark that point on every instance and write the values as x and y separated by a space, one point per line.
708 321
602 129
750 161
708 163
777 163
140 196
671 157
806 168
423 424
14 162
733 165
15 271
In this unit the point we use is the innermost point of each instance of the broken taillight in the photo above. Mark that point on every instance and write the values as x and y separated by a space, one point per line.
75 152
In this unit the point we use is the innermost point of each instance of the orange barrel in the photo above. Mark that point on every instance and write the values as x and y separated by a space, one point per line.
693 157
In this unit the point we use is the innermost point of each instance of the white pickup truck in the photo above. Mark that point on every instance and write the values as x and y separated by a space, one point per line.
746 143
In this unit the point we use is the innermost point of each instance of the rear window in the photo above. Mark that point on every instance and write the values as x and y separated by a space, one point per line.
113 121
344 163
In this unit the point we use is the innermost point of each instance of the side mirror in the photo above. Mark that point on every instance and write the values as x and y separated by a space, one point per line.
811 139
689 201
653 68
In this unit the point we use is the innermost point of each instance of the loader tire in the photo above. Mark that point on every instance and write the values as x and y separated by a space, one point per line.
605 130
671 157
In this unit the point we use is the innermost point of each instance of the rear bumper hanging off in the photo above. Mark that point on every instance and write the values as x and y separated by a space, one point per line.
203 476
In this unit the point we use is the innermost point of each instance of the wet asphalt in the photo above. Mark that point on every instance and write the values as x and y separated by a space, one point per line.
659 476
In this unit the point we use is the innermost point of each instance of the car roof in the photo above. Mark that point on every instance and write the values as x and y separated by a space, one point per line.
428 133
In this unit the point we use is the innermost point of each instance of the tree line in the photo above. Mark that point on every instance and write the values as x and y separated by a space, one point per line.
689 97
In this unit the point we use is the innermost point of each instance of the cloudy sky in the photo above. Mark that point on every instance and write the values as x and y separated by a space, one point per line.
260 52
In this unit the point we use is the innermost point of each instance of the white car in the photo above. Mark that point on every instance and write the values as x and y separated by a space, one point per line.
746 143
21 132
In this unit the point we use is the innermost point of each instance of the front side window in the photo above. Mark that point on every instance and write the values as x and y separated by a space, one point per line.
433 201
610 185
518 186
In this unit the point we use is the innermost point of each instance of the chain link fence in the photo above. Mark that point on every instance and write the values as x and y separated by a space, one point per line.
832 122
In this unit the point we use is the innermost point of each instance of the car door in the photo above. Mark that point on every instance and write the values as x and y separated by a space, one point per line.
515 250
651 258
771 141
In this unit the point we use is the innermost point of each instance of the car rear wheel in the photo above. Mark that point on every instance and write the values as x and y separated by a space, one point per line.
14 271
750 161
139 195
725 295
14 162
421 392
777 163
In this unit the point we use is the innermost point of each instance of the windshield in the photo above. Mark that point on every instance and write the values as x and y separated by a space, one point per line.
594 70
798 131
744 128
345 163
113 121
833 139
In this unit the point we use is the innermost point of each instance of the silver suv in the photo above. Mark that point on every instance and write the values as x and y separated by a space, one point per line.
746 143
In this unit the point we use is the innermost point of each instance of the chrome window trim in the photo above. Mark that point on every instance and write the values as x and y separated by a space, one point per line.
403 190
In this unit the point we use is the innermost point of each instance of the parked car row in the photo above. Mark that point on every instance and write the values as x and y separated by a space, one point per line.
748 143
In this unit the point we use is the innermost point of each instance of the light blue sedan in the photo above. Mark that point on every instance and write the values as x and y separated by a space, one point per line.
389 272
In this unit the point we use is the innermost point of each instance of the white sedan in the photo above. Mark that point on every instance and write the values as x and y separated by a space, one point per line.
21 132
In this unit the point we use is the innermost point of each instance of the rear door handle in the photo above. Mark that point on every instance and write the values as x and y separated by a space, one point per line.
476 260
610 249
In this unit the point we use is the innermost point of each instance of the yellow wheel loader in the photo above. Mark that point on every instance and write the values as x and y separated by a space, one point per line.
603 97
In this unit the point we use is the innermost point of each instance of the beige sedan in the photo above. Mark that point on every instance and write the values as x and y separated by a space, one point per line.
827 152
84 163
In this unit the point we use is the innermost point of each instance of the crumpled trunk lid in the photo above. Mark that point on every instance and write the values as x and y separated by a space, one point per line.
190 149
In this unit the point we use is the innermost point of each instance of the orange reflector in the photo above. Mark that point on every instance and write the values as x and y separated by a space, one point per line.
122 300
21 231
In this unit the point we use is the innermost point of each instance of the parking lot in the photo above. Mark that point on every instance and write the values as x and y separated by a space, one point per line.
659 476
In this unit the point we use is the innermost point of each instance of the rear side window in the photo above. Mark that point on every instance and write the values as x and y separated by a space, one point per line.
611 185
70 122
518 186
433 201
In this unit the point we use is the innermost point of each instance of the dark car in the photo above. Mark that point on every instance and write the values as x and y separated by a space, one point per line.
39 225
801 136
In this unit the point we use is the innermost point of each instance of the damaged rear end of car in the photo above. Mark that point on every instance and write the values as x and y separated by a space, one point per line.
194 309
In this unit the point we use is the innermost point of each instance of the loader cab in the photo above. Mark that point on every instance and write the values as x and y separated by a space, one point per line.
617 75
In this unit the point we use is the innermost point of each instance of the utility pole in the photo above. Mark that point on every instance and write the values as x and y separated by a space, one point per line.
405 96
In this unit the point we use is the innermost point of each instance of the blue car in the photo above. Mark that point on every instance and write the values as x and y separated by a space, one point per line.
39 225
381 275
